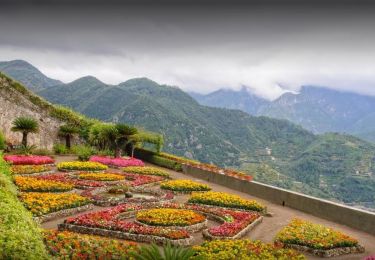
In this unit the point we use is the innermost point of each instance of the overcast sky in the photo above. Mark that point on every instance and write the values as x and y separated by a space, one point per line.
270 48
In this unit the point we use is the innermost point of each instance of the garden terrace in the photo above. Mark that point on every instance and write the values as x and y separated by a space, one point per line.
222 220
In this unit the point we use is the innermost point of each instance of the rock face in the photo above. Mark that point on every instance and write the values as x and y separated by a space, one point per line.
13 104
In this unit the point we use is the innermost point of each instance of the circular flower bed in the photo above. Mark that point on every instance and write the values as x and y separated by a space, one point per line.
223 199
184 186
146 171
243 249
81 166
101 176
169 217
29 169
28 159
34 184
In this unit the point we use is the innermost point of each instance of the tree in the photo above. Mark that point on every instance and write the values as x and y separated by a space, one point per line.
124 134
25 125
68 131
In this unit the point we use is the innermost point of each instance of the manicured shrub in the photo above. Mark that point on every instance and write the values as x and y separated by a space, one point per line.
84 152
156 159
20 237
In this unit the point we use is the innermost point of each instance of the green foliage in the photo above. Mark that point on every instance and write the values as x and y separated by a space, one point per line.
25 124
41 151
154 158
60 149
2 141
20 237
84 152
168 252
25 150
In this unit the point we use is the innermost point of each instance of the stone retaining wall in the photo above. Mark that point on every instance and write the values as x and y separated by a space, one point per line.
352 217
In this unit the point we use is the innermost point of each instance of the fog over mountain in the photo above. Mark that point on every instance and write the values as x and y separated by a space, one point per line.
271 48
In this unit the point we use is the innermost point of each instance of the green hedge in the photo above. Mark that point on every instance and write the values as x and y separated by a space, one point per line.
153 157
20 237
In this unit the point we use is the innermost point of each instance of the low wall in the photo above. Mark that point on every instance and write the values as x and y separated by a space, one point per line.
352 217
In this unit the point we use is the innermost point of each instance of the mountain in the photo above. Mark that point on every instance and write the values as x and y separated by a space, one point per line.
226 98
317 109
27 74
284 154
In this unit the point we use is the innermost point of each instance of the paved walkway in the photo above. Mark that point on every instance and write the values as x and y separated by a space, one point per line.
267 230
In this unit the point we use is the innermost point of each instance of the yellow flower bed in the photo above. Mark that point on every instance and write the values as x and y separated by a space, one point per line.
34 184
82 166
305 233
146 171
44 203
184 186
244 250
223 199
101 176
169 217
29 169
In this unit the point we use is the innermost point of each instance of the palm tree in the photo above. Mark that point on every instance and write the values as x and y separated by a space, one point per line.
25 125
124 137
68 131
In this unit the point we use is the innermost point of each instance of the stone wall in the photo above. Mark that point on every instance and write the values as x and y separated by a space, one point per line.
12 105
352 217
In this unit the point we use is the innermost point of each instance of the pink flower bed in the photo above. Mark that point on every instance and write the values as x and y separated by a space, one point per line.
28 159
116 162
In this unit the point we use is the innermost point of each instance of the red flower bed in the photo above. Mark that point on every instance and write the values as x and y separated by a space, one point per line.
116 162
28 159
107 219
137 180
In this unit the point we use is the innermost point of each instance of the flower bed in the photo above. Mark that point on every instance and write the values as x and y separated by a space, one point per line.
110 223
28 159
81 166
226 200
69 245
316 239
138 180
116 162
169 217
67 178
146 171
184 186
29 169
44 203
34 184
101 176
243 249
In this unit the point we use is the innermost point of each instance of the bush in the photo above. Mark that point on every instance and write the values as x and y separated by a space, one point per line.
84 152
41 151
2 141
154 158
60 149
20 237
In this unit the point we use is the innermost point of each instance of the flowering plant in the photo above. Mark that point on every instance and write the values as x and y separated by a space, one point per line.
69 245
29 169
107 219
138 180
223 199
35 184
146 171
81 166
184 185
169 217
44 203
116 162
66 178
28 159
244 250
305 233
101 176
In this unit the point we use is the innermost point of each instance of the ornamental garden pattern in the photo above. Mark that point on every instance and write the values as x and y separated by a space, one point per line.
143 204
